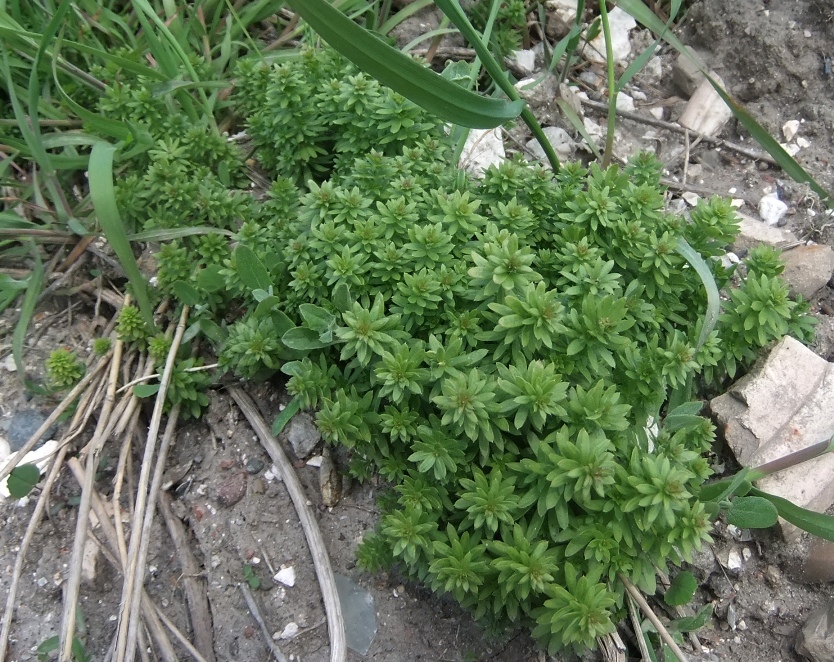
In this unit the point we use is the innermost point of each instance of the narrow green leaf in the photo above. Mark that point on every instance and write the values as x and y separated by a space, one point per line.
286 415
643 15
22 480
673 423
251 270
681 590
107 211
402 74
816 524
713 300
724 489
145 390
27 309
752 512
176 233
687 409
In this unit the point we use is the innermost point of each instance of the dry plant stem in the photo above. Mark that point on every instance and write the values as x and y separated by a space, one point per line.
676 128
647 610
145 503
93 451
117 488
34 522
110 535
256 614
638 630
321 561
193 652
56 413
195 587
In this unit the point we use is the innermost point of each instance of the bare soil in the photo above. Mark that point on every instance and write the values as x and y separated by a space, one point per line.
772 57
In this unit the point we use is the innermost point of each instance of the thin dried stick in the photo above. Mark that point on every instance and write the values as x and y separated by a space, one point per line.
117 488
195 590
256 614
56 413
177 634
73 584
321 561
638 629
647 610
145 506
110 535
34 522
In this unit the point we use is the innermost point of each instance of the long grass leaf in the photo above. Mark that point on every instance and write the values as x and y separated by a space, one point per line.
643 15
713 300
389 66
104 202
27 309
404 13
816 524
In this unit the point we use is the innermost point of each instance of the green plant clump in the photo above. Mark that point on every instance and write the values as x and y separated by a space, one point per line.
499 350
64 369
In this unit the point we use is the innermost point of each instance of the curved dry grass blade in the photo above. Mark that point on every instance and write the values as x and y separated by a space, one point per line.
390 67
104 202
321 561
643 15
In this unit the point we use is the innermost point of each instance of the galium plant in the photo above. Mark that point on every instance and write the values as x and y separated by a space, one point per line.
496 349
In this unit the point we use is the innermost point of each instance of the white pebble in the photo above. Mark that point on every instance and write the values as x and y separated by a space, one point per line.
772 209
285 576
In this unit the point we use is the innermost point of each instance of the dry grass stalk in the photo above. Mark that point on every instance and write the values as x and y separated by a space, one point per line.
321 561
647 610
145 504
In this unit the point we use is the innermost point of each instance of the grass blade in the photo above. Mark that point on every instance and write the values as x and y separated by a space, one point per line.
390 67
104 202
27 309
713 300
816 524
643 15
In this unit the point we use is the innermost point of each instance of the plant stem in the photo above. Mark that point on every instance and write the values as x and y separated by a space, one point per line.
647 610
612 85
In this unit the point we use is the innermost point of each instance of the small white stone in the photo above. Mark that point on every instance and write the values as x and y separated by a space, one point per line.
747 553
791 148
734 561
525 60
561 141
290 631
9 364
736 203
638 94
807 34
653 68
804 143
772 209
625 102
691 198
314 461
789 129
621 23
657 112
285 576
732 190
483 148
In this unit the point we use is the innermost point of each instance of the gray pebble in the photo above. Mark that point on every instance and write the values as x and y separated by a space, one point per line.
23 424
254 465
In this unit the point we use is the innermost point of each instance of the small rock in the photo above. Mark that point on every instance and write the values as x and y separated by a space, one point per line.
9 364
817 564
658 112
686 72
720 586
314 461
734 562
625 102
753 232
653 68
747 553
525 61
690 198
23 424
621 23
772 209
560 140
808 269
483 148
789 129
816 638
804 143
254 465
706 112
303 434
285 576
232 489
290 631
564 9
773 576
590 78
330 480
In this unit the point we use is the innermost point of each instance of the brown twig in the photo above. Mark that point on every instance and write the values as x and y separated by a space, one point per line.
647 610
146 506
256 614
34 522
321 561
195 589
677 128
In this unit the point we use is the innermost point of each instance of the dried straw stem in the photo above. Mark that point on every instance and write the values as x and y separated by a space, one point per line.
145 506
321 561
647 610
